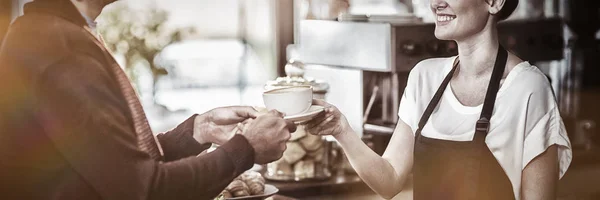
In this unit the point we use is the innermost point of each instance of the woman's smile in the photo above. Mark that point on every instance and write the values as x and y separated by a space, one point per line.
444 19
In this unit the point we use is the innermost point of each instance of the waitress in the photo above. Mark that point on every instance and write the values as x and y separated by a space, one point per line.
480 125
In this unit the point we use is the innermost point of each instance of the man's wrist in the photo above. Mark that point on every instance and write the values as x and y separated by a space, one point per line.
200 127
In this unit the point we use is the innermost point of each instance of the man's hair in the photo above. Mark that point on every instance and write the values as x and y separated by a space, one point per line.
508 8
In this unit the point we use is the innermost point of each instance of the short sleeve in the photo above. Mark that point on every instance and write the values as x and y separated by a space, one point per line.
407 111
548 131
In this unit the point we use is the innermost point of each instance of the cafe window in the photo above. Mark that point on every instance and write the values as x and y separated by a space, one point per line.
207 53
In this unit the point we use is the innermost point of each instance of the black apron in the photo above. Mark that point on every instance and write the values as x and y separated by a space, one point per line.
445 169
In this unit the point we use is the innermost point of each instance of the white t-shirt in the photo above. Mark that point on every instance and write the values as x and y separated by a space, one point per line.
525 121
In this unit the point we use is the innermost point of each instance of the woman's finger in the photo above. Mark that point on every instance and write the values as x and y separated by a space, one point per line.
325 124
317 120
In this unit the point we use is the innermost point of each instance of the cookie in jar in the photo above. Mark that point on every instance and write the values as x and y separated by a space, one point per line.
304 159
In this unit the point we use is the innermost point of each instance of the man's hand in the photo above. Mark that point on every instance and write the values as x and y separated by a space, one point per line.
267 134
217 126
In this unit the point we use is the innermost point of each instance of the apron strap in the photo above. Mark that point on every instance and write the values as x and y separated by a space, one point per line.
483 124
482 127
436 98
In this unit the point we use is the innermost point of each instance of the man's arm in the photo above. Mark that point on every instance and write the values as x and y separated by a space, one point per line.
196 134
179 143
85 118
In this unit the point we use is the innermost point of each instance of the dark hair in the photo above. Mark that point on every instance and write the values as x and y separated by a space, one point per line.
508 8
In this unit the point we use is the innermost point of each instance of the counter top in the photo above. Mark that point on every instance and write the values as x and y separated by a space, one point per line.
342 186
578 183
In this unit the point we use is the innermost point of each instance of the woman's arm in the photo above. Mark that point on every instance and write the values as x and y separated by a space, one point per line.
384 175
540 176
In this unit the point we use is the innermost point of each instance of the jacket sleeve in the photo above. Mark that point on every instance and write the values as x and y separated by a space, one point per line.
85 117
179 143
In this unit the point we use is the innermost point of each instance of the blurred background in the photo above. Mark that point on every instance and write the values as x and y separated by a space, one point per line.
189 56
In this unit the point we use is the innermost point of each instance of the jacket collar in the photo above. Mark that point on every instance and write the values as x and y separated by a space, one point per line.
60 8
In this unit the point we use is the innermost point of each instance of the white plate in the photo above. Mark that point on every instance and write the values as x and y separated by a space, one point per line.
312 112
270 190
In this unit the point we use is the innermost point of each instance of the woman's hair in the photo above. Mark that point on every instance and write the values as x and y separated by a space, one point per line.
508 8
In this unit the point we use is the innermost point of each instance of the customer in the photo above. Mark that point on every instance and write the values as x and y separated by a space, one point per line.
71 126
480 125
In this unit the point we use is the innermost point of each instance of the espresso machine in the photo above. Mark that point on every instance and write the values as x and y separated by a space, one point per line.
384 51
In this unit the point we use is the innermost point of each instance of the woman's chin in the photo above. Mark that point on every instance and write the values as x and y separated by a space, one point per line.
442 35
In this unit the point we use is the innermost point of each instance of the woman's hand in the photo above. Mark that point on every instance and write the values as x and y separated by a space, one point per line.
221 124
331 122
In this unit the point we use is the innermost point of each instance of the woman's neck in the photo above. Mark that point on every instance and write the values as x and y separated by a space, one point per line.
477 53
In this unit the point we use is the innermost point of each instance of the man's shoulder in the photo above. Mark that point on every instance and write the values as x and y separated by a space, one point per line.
39 40
36 31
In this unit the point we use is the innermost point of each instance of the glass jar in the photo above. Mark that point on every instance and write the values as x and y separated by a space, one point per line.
322 9
307 156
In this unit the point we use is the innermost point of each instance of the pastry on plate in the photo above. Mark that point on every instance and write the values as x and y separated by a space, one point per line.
256 187
246 184
226 194
254 181
238 188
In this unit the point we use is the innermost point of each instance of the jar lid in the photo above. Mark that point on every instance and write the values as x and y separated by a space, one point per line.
319 86
295 77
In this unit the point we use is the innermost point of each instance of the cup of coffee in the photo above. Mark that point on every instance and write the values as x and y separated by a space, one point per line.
291 100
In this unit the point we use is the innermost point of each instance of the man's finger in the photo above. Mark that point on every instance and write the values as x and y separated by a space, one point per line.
237 129
276 113
246 112
291 126
247 121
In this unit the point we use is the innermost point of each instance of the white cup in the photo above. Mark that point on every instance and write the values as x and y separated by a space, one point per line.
290 100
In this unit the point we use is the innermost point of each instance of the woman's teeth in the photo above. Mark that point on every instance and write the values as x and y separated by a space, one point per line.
445 18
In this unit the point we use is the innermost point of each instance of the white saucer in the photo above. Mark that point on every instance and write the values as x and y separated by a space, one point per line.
312 112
